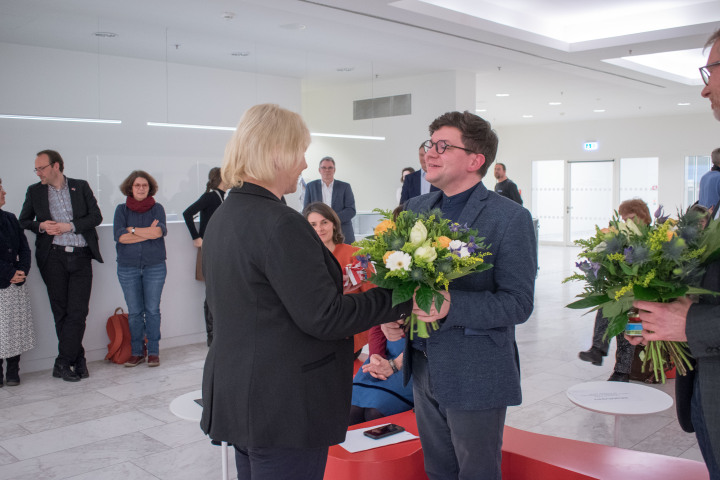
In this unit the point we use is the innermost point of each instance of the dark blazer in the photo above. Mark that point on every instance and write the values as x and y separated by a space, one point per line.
343 202
86 216
473 358
703 335
14 249
279 371
411 186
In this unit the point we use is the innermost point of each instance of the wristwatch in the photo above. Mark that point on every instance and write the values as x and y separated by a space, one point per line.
133 230
391 361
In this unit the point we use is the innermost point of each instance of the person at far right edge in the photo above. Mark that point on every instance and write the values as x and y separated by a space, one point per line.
467 372
505 186
698 393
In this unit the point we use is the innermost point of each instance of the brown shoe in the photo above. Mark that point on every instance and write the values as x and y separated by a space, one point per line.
134 361
153 360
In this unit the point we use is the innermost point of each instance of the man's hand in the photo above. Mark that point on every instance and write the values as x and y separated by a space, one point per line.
434 314
198 242
394 330
662 321
378 367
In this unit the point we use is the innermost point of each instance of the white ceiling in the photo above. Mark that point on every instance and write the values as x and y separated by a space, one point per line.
538 51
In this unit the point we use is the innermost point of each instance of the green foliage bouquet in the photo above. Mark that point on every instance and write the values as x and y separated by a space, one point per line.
630 261
423 253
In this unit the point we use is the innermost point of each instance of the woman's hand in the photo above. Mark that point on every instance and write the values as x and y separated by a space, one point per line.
394 330
378 367
19 277
198 242
434 314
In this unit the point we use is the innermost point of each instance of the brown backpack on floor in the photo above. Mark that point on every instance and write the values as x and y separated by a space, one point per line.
118 330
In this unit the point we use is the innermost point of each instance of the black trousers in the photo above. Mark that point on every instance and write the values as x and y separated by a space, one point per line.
68 277
274 463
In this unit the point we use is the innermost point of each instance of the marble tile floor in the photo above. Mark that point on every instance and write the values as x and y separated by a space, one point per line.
117 424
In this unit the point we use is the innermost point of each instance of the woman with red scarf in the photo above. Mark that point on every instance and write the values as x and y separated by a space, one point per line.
139 228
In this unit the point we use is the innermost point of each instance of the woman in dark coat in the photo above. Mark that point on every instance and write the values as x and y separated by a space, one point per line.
205 206
278 377
17 334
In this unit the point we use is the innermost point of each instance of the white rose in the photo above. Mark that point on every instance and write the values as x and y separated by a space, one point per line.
464 252
398 261
425 253
456 245
418 234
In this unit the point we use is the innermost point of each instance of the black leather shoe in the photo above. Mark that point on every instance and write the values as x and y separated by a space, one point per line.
594 356
619 377
65 372
81 368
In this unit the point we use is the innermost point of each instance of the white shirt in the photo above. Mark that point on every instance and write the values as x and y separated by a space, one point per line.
327 193
424 184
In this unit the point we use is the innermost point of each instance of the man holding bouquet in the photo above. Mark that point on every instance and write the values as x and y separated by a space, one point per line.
467 372
698 324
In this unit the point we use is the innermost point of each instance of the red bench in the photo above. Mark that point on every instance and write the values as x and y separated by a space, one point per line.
526 456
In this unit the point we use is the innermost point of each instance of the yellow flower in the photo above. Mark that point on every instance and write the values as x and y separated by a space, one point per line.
616 256
442 242
384 226
387 254
623 290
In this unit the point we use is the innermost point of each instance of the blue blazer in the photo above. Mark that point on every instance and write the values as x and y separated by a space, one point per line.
472 359
343 202
411 187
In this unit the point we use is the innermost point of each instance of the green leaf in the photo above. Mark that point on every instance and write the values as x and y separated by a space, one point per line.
424 298
700 291
626 269
646 293
591 301
677 293
610 268
439 300
403 293
612 309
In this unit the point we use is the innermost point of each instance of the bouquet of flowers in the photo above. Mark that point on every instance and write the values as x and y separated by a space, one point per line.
630 261
423 253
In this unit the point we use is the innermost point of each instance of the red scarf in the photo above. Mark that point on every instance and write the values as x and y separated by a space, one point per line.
139 206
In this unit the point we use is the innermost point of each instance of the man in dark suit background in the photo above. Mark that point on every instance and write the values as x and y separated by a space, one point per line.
334 193
698 324
63 214
505 186
416 184
467 372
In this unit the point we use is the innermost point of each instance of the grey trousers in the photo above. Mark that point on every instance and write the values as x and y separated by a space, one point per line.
625 350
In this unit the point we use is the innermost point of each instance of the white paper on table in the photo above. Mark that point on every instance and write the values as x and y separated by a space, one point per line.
355 441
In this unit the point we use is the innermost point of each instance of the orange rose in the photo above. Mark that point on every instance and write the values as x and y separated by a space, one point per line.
384 226
443 242
387 254
670 234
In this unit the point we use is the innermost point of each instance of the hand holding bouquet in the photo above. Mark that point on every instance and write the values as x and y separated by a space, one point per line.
630 261
419 254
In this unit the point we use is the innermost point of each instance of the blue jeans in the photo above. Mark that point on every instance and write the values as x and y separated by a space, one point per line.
142 287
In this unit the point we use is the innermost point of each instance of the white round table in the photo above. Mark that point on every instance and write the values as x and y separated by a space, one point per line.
187 408
618 399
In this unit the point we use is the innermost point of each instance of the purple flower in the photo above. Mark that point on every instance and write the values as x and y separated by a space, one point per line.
454 227
471 245
659 217
628 255
364 260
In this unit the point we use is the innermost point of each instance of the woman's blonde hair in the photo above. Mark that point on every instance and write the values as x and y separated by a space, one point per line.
268 139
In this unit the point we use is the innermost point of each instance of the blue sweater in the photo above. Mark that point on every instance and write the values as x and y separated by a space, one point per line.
149 252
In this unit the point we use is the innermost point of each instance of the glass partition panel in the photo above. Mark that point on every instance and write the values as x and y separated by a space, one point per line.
591 197
695 168
548 199
639 179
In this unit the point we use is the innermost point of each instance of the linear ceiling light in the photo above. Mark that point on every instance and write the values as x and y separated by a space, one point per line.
59 119
232 129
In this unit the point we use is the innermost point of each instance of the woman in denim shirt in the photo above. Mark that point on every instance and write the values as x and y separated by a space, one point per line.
139 228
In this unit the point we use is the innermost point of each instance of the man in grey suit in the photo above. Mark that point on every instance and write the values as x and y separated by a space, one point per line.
467 373
696 323
334 193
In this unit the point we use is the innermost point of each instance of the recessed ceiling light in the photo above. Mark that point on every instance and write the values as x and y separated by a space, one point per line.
683 104
599 110
293 26
527 116
240 54
502 94
481 109
105 34
345 69
554 103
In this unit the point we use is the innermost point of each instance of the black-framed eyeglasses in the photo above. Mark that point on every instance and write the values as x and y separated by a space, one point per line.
705 71
40 169
441 146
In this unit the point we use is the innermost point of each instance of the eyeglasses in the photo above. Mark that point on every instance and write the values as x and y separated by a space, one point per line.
40 169
705 71
441 146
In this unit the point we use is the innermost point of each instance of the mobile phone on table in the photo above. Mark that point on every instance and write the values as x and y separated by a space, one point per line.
383 431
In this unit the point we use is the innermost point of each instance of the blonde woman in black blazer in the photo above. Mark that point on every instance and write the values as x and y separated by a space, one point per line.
278 377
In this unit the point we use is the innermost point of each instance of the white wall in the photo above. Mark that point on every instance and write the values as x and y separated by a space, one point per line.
670 138
39 81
